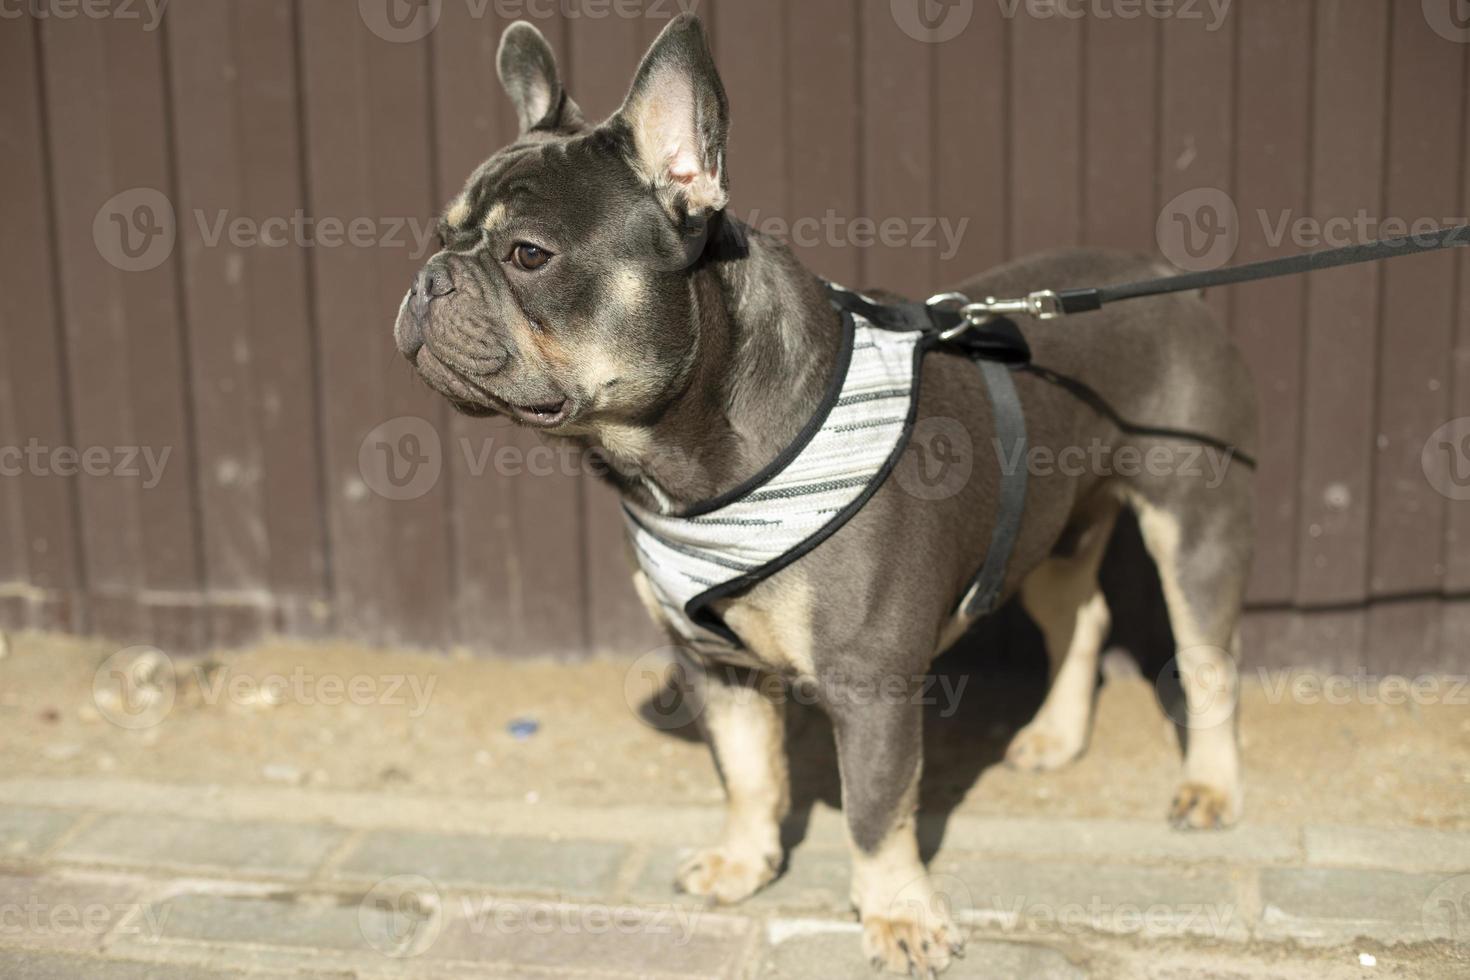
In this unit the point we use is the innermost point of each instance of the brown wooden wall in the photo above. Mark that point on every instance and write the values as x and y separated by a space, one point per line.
263 369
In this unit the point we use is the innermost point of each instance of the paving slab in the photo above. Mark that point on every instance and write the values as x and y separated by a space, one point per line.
1331 905
32 965
71 913
813 881
564 868
1063 899
794 952
27 831
1397 849
283 850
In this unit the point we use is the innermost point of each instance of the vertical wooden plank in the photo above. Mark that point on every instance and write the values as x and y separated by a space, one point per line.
1273 133
1416 337
1120 143
897 93
759 125
234 95
517 528
1196 108
40 510
282 336
605 52
823 126
970 167
1455 631
368 151
106 106
1348 123
1046 130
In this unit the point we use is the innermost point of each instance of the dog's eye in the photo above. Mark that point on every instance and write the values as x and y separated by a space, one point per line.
529 257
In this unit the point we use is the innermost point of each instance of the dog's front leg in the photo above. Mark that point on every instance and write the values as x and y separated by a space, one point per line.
741 714
907 926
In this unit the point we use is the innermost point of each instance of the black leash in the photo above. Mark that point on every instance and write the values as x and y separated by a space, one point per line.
1086 300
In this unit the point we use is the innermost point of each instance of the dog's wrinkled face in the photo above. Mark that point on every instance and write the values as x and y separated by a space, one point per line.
561 296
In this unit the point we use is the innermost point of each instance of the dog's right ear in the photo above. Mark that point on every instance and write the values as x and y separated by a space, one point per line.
527 69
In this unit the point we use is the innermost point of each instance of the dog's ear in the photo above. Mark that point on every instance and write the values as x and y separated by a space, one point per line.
679 121
527 69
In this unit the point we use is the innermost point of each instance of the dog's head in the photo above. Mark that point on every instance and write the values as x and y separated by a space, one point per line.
561 296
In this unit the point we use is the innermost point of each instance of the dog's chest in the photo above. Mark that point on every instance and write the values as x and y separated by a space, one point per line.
696 564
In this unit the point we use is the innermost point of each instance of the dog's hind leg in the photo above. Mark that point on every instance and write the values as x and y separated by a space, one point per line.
1063 597
1200 539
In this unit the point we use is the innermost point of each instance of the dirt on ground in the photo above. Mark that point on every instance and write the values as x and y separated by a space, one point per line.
341 717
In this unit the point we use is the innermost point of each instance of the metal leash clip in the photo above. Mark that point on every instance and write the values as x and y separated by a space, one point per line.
1044 304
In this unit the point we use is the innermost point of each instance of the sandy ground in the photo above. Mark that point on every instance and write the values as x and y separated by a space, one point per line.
348 718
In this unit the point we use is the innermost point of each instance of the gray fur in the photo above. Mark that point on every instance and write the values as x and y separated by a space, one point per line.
716 365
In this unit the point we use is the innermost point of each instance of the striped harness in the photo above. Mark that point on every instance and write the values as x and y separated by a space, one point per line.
722 547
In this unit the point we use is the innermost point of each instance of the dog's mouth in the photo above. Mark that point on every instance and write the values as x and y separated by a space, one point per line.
545 415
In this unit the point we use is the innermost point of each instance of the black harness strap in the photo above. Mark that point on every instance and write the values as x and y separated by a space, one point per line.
1010 432
997 347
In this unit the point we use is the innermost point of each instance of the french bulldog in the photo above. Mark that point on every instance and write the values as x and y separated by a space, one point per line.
592 285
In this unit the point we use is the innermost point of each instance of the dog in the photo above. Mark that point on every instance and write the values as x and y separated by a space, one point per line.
591 285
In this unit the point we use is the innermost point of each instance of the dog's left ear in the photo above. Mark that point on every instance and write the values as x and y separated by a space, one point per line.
679 121
527 69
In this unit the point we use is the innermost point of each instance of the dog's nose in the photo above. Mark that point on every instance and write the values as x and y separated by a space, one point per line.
431 283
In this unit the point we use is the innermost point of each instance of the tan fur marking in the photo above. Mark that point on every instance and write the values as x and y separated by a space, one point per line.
776 623
458 213
495 217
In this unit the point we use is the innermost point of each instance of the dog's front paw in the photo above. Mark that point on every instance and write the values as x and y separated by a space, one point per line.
1198 806
1040 748
726 876
917 945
